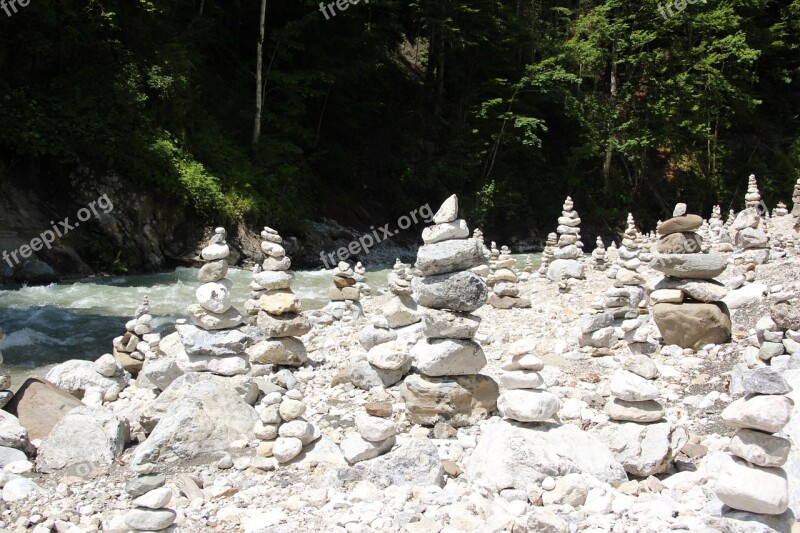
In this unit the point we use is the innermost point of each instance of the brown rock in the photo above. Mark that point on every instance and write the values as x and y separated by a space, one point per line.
134 366
381 409
279 302
693 325
459 400
451 468
342 282
680 224
39 405
680 243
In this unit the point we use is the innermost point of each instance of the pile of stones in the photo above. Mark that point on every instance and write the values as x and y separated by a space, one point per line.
139 342
446 386
281 426
626 271
633 395
599 256
503 281
375 436
151 499
525 398
527 270
687 302
752 480
345 297
361 280
796 199
780 210
277 309
749 227
484 269
570 248
548 253
776 338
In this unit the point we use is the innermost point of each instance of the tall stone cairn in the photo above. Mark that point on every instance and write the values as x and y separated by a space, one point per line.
483 270
752 480
447 386
599 255
687 302
796 199
569 251
547 253
277 308
504 293
750 227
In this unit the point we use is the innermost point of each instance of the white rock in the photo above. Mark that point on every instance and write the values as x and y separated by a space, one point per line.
528 405
764 413
628 386
155 499
214 296
107 366
357 449
375 429
448 212
286 449
213 252
520 379
752 488
388 356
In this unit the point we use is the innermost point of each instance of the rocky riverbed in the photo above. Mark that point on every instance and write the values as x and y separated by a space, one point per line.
191 451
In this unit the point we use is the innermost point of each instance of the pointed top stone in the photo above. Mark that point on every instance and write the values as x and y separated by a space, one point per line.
448 212
680 210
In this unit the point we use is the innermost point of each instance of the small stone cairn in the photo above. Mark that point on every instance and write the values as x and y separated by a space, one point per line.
570 248
345 297
548 253
150 498
687 302
6 394
361 280
796 199
599 256
484 269
750 227
446 386
375 436
503 281
138 342
277 310
281 426
752 480
780 210
628 262
777 336
525 398
633 394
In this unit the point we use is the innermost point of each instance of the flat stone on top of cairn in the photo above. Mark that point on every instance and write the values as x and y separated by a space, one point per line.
447 387
687 303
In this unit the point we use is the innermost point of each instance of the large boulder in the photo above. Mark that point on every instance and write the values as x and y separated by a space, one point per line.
458 400
222 343
693 325
86 435
75 376
514 455
459 291
448 256
197 414
448 357
692 266
39 405
570 268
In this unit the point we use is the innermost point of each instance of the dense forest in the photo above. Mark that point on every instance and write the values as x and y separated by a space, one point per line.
355 109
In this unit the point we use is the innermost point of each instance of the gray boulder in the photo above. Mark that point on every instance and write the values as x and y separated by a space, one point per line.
199 342
460 291
448 256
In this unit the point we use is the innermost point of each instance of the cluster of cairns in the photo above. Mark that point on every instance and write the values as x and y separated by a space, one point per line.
276 308
386 339
503 280
212 343
446 386
752 479
150 498
281 426
375 434
525 398
687 301
345 295
777 336
568 252
139 342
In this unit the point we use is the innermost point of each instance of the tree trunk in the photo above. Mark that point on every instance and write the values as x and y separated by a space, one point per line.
259 87
613 101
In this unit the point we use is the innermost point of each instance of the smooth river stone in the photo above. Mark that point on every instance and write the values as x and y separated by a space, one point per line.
693 325
213 271
641 412
459 291
150 519
446 231
448 325
280 279
752 488
699 290
680 243
627 386
388 356
528 405
208 320
214 296
520 379
764 413
286 351
759 448
223 343
448 357
214 252
692 266
449 256
680 224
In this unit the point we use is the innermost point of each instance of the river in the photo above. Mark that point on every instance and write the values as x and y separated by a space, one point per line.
46 325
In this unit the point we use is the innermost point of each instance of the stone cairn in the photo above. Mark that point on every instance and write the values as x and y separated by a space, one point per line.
777 336
599 256
138 342
503 281
752 479
494 254
361 280
528 268
570 248
447 387
548 253
524 398
749 226
633 395
277 310
375 436
345 297
796 199
612 252
780 210
628 263
484 269
213 309
281 426
687 302
386 339
150 498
